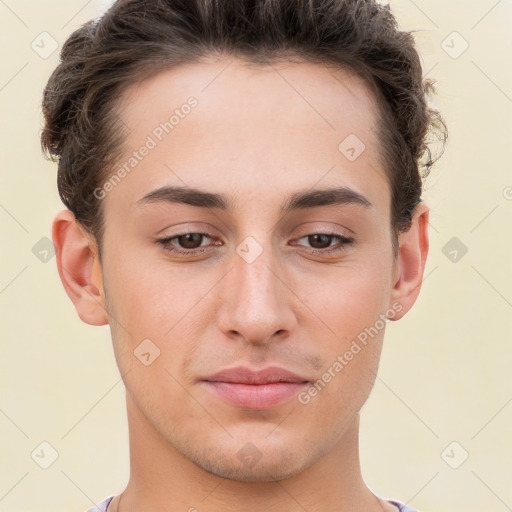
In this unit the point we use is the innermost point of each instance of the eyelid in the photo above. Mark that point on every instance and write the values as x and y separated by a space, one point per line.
311 227
343 243
167 239
340 231
334 235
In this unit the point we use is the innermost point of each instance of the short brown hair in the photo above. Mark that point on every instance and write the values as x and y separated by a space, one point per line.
135 39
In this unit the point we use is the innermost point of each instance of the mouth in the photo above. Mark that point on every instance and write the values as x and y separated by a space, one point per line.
250 389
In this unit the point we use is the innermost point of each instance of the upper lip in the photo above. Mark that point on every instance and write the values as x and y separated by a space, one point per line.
244 375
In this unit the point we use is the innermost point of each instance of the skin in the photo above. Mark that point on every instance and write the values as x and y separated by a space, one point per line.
257 135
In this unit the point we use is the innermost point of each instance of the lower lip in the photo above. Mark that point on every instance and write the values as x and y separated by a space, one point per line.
256 396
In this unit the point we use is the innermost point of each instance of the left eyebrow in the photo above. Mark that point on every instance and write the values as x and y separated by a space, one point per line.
297 201
325 197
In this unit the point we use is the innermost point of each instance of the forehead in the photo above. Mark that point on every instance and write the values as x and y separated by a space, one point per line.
253 130
322 97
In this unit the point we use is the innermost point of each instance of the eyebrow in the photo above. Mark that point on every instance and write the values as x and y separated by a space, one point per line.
297 201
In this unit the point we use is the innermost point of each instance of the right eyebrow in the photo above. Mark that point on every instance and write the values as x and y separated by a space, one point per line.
185 195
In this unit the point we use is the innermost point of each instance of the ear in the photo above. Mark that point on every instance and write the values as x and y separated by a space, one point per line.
79 268
410 262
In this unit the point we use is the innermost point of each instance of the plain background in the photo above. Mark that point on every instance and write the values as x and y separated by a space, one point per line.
444 389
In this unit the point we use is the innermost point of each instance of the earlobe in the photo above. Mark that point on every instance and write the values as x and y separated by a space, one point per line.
410 262
79 268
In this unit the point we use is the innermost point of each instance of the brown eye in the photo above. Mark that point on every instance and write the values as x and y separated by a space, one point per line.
185 243
190 240
320 241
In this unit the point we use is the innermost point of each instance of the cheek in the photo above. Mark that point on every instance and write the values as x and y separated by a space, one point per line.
350 364
347 298
154 299
159 313
352 302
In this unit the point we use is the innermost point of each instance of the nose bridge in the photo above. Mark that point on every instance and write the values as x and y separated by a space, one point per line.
256 304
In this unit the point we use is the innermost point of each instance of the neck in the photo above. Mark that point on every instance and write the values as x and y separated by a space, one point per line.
161 478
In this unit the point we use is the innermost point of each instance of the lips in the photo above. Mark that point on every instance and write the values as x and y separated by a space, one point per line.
255 389
243 375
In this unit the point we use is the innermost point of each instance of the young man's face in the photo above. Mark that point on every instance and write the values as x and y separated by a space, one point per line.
260 290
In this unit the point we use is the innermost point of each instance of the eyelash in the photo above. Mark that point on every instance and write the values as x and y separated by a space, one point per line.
164 242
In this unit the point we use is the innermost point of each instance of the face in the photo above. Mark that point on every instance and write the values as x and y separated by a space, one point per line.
266 270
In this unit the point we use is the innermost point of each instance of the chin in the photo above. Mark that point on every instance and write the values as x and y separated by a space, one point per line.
249 465
268 472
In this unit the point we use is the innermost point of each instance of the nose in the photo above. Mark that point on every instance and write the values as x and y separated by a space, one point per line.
256 303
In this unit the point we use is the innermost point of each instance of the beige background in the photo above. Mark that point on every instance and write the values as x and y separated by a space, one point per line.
445 372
